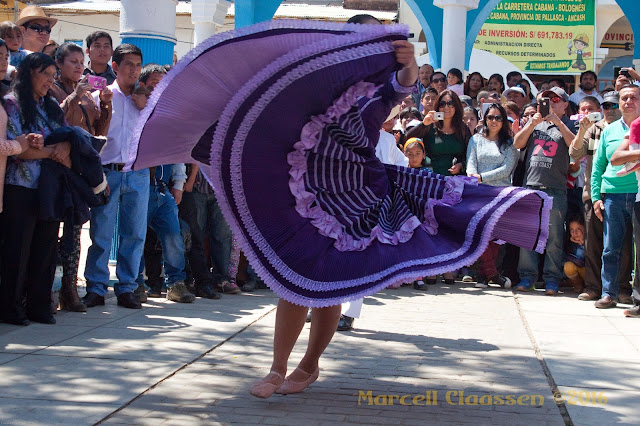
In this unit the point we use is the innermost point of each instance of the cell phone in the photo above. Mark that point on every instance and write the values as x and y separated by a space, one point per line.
616 72
594 116
485 107
625 73
438 116
543 107
97 82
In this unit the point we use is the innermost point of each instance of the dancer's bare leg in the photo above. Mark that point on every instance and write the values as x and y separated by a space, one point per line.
323 326
290 319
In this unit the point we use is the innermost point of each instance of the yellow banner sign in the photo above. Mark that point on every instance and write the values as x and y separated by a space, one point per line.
542 37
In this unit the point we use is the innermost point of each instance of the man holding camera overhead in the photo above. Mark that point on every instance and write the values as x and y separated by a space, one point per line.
546 137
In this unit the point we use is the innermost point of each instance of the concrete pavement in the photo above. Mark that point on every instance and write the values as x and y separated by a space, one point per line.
193 364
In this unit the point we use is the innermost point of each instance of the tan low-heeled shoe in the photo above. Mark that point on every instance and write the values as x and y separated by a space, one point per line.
264 388
289 386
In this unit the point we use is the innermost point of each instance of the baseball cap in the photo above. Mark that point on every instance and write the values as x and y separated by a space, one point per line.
466 100
611 98
556 91
514 89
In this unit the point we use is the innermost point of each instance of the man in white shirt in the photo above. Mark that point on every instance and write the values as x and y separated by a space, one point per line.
129 192
588 84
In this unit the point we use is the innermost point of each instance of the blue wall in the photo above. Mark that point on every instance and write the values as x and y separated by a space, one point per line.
632 12
249 12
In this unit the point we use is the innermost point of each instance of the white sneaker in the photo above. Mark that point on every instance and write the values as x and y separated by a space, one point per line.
467 279
628 168
481 284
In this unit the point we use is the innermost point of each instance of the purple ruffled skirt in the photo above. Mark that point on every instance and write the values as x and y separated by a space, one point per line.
291 156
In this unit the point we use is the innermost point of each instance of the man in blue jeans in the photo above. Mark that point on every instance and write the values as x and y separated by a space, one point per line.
165 193
162 218
614 195
129 192
547 141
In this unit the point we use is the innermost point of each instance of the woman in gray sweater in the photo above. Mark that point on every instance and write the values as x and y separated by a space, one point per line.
491 159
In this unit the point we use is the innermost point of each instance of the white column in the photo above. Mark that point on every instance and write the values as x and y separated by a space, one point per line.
454 31
206 16
150 25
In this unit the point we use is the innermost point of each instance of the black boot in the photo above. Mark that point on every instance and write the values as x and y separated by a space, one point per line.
207 291
345 323
69 299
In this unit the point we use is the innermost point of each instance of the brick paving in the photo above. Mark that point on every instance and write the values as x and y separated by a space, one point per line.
193 364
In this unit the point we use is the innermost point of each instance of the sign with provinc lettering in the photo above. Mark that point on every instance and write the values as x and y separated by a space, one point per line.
542 36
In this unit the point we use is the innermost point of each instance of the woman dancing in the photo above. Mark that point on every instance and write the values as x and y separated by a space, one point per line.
320 218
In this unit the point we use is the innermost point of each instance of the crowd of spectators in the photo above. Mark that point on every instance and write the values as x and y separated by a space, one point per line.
65 134
502 134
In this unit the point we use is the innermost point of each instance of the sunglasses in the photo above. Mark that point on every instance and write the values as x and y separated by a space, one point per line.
438 80
497 118
610 106
39 28
449 104
494 96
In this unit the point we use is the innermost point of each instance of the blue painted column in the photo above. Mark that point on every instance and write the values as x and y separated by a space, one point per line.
632 12
150 25
430 18
475 20
249 12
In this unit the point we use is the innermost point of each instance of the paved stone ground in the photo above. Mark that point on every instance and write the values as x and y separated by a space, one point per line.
193 364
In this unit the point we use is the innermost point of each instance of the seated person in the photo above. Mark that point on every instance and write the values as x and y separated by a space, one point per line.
574 253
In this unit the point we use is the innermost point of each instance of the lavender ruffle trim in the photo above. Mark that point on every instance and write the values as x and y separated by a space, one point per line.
452 195
328 225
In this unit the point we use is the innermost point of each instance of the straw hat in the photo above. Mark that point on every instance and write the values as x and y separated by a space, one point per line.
30 13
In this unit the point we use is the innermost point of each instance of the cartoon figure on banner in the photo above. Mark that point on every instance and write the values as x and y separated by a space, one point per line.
580 43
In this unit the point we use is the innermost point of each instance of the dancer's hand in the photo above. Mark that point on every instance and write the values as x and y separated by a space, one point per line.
405 55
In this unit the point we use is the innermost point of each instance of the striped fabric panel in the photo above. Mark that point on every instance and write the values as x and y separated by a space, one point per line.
340 175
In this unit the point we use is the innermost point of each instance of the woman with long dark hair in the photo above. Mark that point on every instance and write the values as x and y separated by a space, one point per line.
74 95
445 141
473 85
29 252
491 159
496 82
7 147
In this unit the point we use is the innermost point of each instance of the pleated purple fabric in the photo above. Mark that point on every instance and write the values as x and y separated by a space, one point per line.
290 144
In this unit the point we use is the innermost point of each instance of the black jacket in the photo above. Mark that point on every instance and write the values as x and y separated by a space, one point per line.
65 195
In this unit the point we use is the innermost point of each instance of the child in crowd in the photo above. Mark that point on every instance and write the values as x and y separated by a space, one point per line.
574 254
415 152
454 81
12 35
471 119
